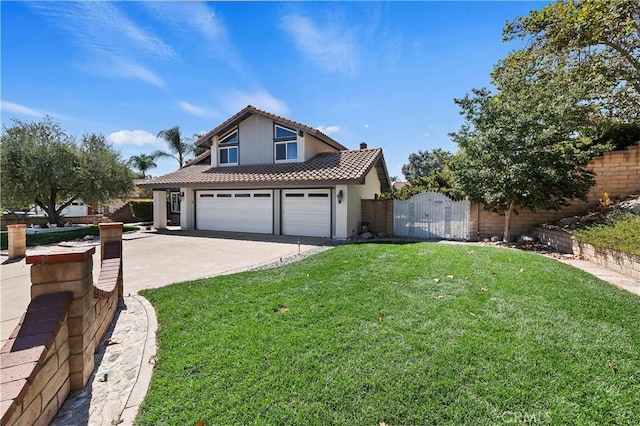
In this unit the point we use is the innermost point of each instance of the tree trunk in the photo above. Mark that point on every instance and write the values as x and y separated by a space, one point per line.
506 236
51 211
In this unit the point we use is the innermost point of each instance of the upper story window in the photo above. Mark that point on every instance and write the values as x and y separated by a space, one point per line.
228 150
283 133
285 144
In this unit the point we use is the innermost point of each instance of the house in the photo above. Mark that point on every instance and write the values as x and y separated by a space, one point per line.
263 173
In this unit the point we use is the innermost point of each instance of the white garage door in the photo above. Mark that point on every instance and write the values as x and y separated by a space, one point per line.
237 211
306 212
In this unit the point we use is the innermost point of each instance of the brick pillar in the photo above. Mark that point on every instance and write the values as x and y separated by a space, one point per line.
112 232
59 270
17 235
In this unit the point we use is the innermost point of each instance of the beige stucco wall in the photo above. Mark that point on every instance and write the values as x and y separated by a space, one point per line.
348 213
313 146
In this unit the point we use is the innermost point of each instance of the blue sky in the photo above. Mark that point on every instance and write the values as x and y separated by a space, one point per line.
382 73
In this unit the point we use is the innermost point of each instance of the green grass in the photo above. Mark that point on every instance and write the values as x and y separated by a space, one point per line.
363 334
57 237
621 232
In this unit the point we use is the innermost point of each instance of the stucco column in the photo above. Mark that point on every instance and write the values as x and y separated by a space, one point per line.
59 270
187 208
160 209
17 239
112 232
342 212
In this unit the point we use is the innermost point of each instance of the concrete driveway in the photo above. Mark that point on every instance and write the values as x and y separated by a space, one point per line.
153 259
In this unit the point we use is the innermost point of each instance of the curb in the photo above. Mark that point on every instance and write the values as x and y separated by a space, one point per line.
146 365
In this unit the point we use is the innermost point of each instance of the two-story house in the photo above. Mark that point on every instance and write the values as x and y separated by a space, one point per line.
267 174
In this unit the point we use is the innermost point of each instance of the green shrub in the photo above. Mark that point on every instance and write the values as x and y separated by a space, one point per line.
621 232
142 210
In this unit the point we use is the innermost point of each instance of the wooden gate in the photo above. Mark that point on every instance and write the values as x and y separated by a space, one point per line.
431 215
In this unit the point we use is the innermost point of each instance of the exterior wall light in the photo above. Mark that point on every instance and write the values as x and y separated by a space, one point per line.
340 196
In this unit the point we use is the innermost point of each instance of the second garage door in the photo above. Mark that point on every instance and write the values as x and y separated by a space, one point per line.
306 212
235 211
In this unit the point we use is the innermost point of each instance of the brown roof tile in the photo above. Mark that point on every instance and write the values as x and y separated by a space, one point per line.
329 167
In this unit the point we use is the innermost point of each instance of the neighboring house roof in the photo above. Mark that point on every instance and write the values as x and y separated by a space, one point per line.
399 185
340 167
251 110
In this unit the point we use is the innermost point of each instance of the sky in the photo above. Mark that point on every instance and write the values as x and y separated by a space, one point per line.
384 73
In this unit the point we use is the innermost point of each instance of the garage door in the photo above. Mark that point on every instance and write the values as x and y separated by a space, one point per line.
236 211
306 212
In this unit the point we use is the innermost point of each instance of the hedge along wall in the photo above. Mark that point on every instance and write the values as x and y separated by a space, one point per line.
617 173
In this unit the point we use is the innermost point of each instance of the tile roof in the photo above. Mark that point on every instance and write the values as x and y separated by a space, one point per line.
328 167
250 110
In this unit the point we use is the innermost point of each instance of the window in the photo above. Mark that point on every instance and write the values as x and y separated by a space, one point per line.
261 195
229 155
175 202
286 151
229 149
283 133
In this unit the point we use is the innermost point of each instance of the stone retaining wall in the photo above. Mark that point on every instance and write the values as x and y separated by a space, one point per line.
51 351
627 264
558 239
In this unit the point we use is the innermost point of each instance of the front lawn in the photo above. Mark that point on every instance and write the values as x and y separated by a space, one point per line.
408 334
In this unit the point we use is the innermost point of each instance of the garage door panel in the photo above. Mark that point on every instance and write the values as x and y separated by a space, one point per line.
235 211
306 212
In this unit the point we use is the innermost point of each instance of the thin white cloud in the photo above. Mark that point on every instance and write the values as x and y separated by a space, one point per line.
14 108
328 130
124 68
331 45
426 134
196 110
20 109
236 99
103 27
192 17
114 44
366 126
132 137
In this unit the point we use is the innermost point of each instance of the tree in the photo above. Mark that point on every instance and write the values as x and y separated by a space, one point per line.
521 148
41 164
142 162
179 147
424 163
596 42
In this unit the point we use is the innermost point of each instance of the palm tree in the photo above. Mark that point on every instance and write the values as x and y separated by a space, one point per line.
179 147
142 162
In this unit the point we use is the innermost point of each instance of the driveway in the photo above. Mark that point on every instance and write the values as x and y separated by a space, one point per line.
153 259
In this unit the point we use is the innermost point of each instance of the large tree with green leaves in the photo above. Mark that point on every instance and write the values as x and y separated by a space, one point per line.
424 163
522 148
42 165
595 42
179 146
142 163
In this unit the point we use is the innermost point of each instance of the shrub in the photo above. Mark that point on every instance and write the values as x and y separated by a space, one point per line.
142 209
621 232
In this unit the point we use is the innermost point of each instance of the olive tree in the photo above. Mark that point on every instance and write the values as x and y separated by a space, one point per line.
40 164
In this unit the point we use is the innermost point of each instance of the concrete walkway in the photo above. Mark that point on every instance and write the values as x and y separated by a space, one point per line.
126 356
